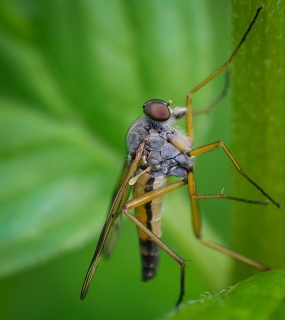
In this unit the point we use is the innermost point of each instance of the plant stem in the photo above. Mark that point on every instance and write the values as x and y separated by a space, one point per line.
258 132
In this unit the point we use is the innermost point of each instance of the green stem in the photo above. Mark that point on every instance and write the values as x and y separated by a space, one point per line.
258 133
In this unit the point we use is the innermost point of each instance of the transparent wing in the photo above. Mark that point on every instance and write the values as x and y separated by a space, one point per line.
110 230
114 232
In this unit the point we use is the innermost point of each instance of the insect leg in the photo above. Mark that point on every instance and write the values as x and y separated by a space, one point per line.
226 64
214 145
223 93
143 199
189 116
196 221
195 210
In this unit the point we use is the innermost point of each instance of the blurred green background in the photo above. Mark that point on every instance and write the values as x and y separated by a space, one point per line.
74 76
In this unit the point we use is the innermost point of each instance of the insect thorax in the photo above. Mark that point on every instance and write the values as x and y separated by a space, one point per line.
165 148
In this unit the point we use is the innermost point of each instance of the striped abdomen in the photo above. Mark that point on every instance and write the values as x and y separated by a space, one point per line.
150 216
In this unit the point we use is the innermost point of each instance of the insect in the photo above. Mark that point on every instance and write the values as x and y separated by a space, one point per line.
156 150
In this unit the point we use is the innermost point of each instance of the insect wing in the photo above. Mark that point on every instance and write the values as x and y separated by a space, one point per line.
112 218
114 233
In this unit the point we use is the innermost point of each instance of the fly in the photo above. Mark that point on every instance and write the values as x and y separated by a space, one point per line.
156 150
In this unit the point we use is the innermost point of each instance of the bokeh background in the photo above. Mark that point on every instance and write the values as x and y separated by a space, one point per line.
73 77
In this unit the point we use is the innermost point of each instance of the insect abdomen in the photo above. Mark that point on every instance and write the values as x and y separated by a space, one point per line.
150 216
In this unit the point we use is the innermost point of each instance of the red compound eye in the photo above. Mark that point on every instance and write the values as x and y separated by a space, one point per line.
157 110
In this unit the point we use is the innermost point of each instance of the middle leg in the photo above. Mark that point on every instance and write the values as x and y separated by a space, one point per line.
197 227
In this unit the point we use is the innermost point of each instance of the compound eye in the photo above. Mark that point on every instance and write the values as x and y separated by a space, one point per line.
157 110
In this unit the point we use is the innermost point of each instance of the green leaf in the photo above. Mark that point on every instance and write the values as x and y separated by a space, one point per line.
51 175
259 297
